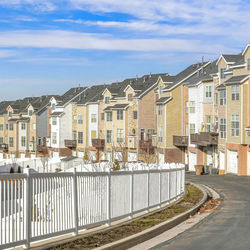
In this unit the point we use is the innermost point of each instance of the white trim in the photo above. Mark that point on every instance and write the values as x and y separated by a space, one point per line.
245 49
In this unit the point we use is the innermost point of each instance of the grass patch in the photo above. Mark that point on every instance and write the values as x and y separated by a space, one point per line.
194 195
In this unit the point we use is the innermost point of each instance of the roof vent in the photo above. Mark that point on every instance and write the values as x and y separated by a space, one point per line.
150 74
144 79
136 77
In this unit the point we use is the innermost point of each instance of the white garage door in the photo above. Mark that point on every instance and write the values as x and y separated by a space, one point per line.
222 160
161 158
132 156
109 156
209 157
92 155
233 162
192 161
248 163
55 154
118 156
80 154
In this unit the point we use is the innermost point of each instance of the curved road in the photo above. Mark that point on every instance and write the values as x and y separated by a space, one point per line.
227 228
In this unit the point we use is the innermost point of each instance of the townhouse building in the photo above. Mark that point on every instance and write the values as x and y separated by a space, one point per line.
201 122
172 140
60 142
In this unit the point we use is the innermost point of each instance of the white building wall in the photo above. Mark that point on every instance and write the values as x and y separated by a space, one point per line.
93 109
65 125
21 133
55 129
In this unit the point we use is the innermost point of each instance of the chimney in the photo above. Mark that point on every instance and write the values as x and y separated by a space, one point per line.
150 74
136 77
144 79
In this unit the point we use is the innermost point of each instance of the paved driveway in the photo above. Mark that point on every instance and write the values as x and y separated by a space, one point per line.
228 228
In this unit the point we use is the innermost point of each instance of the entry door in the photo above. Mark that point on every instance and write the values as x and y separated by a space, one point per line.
192 161
222 160
234 162
161 158
132 156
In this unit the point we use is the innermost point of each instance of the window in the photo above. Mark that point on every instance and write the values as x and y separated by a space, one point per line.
102 116
142 133
75 119
208 123
223 131
54 121
161 89
216 124
11 127
80 137
133 131
33 139
53 106
150 133
107 100
248 64
23 126
192 128
235 125
235 92
216 98
80 119
222 73
34 126
23 141
7 126
93 118
74 135
119 135
54 138
109 136
190 107
11 142
1 127
160 134
135 115
208 91
109 116
30 112
160 109
119 114
39 141
1 140
223 97
130 97
10 114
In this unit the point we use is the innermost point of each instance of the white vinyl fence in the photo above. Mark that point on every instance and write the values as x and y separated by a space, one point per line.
36 206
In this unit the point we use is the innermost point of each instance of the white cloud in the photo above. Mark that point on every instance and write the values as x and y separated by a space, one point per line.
86 41
7 53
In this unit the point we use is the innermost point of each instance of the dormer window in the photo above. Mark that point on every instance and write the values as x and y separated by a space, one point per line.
107 100
130 97
248 64
222 73
30 112
53 106
161 90
10 114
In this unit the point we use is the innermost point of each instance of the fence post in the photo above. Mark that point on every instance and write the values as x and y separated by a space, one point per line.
109 199
148 190
28 194
160 181
169 185
131 194
176 179
75 202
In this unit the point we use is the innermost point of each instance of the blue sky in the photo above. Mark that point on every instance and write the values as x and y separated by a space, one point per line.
48 46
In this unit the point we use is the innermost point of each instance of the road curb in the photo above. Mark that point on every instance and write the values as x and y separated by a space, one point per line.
151 232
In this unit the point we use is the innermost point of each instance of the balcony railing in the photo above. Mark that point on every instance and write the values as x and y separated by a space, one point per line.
146 146
204 138
4 147
180 141
98 143
70 143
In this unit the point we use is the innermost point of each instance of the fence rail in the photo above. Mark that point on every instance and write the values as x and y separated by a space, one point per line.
36 206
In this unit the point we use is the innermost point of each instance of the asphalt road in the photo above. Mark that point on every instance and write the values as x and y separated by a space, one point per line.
227 228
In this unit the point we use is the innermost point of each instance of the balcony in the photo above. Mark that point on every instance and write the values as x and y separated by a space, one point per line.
180 141
70 143
4 147
41 149
98 143
146 146
204 138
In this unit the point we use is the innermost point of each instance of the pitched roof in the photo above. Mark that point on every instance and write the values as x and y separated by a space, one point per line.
3 106
232 58
163 100
221 87
57 114
189 71
236 79
205 74
117 106
70 95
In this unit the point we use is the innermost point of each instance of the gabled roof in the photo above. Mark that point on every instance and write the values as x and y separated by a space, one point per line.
244 51
3 106
232 58
117 106
236 79
57 114
186 74
221 87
